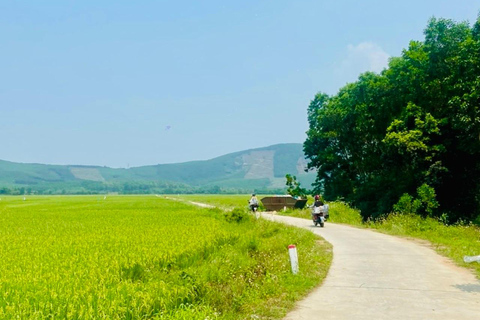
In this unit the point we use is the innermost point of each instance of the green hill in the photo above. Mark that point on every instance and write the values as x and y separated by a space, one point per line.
262 169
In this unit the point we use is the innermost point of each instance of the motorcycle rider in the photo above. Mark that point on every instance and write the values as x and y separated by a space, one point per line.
253 202
317 206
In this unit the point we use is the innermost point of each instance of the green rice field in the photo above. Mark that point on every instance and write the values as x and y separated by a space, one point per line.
147 257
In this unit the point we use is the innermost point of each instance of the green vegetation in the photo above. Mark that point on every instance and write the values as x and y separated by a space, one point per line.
293 187
408 136
144 257
229 174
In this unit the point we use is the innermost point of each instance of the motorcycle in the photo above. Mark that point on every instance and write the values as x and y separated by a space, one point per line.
318 219
253 207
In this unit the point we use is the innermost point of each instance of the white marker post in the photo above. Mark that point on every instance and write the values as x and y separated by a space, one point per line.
292 251
469 259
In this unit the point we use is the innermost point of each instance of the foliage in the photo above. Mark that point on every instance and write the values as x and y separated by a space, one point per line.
406 204
416 123
236 215
424 204
135 187
294 188
144 257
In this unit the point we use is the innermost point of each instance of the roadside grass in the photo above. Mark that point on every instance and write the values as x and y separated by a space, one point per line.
143 257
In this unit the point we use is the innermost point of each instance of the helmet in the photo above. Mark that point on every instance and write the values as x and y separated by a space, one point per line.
253 194
317 197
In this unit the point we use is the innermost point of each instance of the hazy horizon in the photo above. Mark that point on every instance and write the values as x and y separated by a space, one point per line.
152 164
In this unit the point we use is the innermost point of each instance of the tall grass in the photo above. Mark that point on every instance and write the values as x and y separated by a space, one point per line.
141 257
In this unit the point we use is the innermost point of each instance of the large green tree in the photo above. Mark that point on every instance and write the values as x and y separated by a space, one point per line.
415 125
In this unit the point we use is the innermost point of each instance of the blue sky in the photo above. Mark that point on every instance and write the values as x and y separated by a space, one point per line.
131 83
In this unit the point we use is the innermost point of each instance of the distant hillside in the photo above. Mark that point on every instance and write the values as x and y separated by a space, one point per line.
261 169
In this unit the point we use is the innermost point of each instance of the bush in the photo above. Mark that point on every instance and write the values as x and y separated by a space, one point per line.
424 204
236 215
406 204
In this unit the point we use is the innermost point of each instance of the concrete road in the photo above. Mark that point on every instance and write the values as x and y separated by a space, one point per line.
377 276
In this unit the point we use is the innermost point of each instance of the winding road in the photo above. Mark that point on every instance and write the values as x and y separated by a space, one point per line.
377 276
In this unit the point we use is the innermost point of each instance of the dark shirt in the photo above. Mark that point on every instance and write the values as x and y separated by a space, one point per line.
318 203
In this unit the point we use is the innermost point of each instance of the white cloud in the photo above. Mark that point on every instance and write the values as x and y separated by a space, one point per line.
366 56
371 53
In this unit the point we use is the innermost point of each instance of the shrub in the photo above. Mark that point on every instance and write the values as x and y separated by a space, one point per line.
236 215
424 204
406 204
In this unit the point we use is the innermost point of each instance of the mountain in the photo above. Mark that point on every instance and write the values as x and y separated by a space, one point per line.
262 169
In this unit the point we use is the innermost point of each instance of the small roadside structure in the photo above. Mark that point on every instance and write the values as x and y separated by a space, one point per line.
277 203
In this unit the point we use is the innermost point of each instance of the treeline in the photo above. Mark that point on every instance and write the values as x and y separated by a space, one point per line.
407 139
148 187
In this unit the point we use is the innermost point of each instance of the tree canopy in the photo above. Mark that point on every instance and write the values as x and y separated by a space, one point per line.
411 133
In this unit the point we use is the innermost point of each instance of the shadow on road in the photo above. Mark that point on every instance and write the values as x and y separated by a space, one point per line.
471 287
